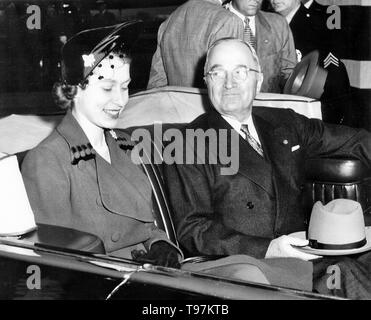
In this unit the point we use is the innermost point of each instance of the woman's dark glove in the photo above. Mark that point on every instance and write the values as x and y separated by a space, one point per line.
160 254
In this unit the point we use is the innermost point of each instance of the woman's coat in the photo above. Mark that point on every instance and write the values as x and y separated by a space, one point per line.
70 185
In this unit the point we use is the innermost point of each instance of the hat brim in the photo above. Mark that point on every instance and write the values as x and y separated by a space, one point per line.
323 252
99 42
308 78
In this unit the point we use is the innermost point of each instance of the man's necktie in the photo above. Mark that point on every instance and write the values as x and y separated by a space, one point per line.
250 139
248 35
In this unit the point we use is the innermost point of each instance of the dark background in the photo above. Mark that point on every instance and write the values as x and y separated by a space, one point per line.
29 58
25 82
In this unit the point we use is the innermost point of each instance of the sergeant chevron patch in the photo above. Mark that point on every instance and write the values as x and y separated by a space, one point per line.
330 59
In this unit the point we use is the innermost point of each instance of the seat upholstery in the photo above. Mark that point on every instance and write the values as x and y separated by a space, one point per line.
336 170
61 237
329 179
326 179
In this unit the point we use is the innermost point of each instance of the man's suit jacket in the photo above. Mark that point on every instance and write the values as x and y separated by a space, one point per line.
242 213
275 49
311 33
183 40
68 188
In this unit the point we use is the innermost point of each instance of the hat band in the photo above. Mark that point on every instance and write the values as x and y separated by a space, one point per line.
354 245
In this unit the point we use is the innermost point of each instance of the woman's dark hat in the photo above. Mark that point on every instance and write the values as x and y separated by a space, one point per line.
85 50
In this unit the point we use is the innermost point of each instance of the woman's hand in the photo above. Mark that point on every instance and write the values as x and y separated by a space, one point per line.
282 247
160 254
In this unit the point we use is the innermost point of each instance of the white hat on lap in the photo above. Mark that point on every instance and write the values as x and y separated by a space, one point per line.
338 225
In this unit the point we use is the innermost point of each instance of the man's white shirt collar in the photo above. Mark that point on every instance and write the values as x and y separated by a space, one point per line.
230 7
236 125
291 14
308 4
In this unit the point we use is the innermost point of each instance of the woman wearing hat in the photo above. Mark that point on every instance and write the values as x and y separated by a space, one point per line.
82 176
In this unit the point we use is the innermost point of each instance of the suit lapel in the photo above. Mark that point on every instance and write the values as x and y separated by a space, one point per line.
273 139
276 144
273 174
251 164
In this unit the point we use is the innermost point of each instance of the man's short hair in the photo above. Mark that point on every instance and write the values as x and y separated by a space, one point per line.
215 43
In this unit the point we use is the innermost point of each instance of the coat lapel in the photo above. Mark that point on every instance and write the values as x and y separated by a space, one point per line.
274 140
124 188
71 131
251 164
276 144
121 161
273 174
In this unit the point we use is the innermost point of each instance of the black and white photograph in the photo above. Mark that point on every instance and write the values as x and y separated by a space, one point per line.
185 154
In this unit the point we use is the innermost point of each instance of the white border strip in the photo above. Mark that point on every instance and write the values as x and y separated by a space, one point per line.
359 73
346 2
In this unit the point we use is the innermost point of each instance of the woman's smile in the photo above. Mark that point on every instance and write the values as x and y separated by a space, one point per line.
114 113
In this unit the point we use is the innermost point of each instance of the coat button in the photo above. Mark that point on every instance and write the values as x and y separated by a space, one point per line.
250 205
115 236
81 164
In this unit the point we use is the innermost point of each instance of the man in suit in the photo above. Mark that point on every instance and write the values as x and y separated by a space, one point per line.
184 38
252 211
310 31
272 39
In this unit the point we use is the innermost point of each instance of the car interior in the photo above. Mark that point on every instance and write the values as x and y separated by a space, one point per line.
78 259
326 179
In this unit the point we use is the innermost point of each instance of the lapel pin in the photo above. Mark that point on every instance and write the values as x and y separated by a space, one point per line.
113 134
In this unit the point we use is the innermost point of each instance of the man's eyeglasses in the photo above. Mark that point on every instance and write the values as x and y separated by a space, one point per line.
239 74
